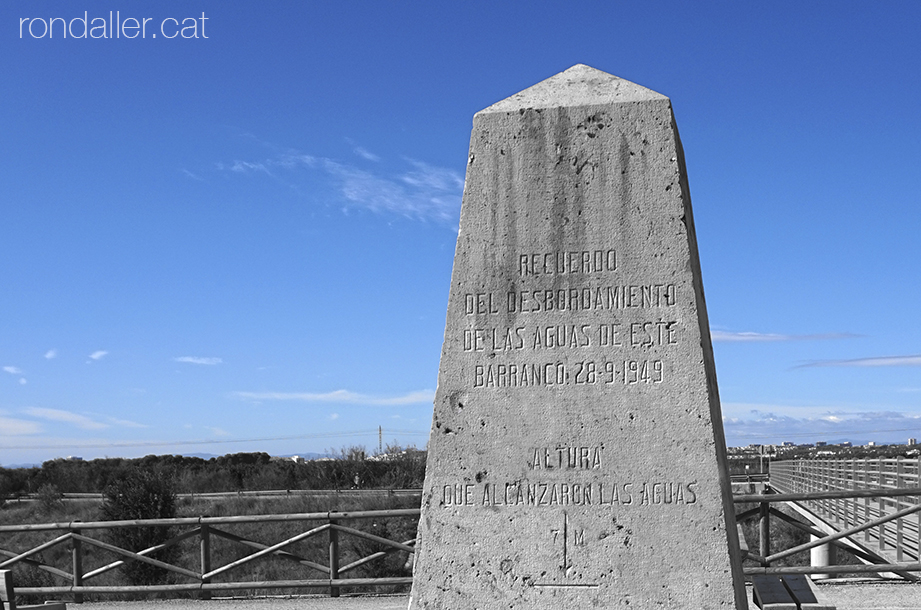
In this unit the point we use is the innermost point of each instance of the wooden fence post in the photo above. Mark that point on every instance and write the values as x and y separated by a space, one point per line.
333 558
77 556
764 529
205 548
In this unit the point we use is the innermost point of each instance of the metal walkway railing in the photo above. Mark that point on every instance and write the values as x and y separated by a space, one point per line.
872 506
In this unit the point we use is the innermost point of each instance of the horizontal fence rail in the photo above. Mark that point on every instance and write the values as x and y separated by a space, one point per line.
79 537
872 505
264 494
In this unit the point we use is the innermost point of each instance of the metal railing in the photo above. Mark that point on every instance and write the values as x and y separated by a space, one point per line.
204 580
873 505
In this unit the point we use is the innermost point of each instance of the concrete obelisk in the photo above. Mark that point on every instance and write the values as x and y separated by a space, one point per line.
576 457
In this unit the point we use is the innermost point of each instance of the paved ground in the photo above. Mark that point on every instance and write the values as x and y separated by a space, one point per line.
895 595
852 595
381 602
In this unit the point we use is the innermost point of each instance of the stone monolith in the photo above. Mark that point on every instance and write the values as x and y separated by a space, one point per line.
576 457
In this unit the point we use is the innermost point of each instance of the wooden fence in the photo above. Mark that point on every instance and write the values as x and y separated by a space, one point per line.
879 500
329 525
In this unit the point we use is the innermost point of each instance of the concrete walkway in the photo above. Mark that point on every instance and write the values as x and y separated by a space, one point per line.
862 595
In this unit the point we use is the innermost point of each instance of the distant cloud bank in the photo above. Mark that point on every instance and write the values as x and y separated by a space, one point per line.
769 427
914 360
342 396
728 336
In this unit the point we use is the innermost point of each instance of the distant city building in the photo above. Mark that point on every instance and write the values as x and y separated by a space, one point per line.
820 443
912 441
846 444
787 444
871 443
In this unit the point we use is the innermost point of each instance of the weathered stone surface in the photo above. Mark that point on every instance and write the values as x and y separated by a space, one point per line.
576 457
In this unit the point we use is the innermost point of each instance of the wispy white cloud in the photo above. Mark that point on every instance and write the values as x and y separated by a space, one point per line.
22 381
745 336
294 160
422 191
217 431
13 370
244 167
51 354
198 360
10 426
429 177
67 417
125 423
342 396
425 193
333 416
366 154
914 360
191 175
98 354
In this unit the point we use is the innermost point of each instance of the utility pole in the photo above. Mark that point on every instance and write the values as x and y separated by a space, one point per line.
380 440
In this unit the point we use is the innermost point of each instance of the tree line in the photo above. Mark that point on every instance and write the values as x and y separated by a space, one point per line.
398 468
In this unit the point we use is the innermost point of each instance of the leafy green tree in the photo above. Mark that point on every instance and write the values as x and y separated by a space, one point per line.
141 494
50 498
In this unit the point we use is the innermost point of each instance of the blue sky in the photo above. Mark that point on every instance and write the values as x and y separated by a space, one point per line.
243 241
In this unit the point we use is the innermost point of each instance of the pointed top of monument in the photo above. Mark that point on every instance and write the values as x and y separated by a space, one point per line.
580 85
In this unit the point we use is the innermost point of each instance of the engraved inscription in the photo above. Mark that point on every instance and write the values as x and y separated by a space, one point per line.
569 537
559 263
540 494
605 372
649 334
458 495
643 334
480 303
527 303
590 298
584 457
573 298
494 339
563 335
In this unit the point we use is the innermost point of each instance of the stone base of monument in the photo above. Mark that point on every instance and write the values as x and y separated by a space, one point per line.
788 592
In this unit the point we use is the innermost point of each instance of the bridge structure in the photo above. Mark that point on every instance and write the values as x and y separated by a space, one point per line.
870 508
